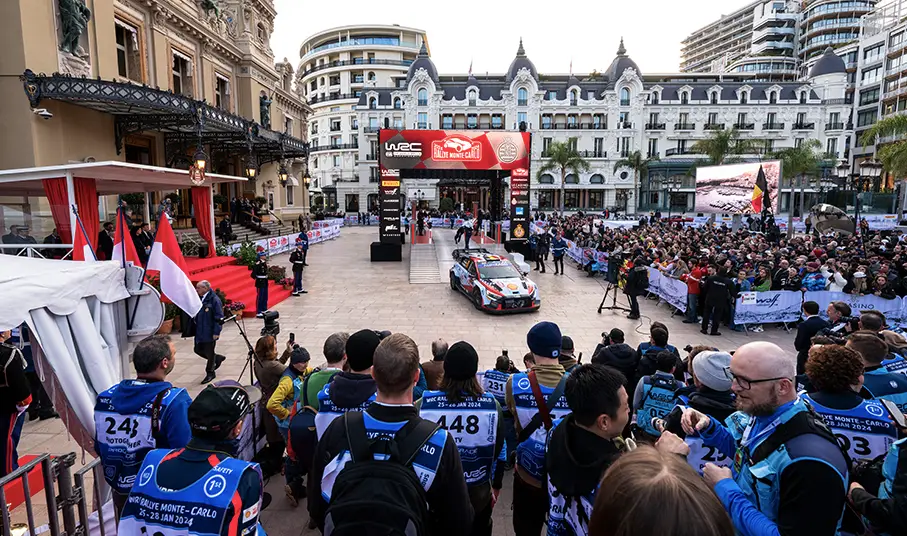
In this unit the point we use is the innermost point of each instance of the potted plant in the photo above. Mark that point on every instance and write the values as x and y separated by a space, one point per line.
235 308
170 312
286 282
276 273
246 254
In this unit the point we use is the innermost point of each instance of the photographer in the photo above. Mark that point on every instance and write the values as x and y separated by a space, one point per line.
839 319
615 353
887 512
281 405
637 283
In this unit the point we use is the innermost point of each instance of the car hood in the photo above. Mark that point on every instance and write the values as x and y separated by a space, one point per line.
518 290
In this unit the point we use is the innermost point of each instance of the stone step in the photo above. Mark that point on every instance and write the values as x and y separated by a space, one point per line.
423 265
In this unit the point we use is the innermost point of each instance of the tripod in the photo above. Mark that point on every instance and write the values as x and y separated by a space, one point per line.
612 290
252 355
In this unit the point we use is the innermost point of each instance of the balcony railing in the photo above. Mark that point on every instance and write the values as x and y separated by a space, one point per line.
834 126
772 126
335 128
520 102
423 102
373 156
745 126
584 154
343 63
714 126
678 151
371 130
655 126
625 125
573 126
332 97
334 147
684 126
804 126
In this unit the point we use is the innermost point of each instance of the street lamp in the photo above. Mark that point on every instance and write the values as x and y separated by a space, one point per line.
201 160
870 170
251 167
282 174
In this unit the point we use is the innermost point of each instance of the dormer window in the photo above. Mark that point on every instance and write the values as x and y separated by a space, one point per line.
372 103
653 98
773 97
423 97
624 97
743 97
522 97
574 97
398 104
472 97
802 97
714 98
684 97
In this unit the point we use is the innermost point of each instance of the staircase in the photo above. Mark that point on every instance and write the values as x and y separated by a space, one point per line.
423 265
243 233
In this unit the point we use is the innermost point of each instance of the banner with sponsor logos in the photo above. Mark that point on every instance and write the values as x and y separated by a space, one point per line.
671 290
894 310
325 230
768 307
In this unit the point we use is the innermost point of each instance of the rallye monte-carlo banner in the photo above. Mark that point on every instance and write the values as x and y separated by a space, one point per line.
452 149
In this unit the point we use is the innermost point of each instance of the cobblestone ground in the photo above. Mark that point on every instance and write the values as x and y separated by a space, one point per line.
348 293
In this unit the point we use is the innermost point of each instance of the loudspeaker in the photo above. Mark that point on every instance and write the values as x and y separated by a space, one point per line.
386 252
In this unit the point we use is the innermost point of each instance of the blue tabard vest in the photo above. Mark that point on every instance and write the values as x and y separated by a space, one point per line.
700 453
494 382
328 410
865 431
288 405
889 468
530 454
197 510
657 402
473 423
123 441
883 384
425 465
896 364
568 516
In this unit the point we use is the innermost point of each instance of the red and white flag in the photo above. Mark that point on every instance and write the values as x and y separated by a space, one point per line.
167 259
81 246
123 247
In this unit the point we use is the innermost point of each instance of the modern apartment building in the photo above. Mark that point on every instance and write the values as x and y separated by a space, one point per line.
720 43
336 66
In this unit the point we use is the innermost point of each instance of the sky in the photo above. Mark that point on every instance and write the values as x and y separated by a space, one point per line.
487 33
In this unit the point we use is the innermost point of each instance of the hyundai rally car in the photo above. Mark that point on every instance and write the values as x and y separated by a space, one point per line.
492 282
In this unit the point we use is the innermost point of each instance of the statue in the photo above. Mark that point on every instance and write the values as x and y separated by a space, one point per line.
208 5
264 105
74 17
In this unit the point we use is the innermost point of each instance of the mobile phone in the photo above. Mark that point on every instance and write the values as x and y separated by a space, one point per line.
292 337
896 414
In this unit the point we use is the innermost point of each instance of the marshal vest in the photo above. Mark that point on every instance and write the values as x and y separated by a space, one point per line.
289 405
568 516
896 365
494 382
328 410
425 464
197 510
889 468
123 440
883 384
473 423
530 454
865 431
657 402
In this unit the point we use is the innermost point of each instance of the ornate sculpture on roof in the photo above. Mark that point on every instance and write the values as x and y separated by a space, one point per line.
74 17
209 6
264 108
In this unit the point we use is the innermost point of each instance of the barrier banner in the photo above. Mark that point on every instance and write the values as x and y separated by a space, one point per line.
654 281
892 309
768 307
673 291
279 244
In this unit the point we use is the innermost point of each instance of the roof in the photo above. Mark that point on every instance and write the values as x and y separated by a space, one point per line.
521 62
621 63
423 61
829 63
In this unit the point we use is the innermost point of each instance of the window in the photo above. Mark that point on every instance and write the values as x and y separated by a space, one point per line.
599 145
129 63
398 104
314 127
290 197
769 146
335 124
866 118
422 120
354 123
315 166
624 97
373 175
371 77
574 97
571 178
596 179
596 198
447 121
335 80
336 160
182 74
654 97
831 146
834 117
872 54
623 145
801 119
522 97
590 95
802 97
653 148
552 95
571 143
713 118
496 121
571 121
472 97
770 118
741 118
869 96
423 97
373 123
262 32
288 125
472 121
798 142
546 198
546 142
547 178
683 118
773 97
869 76
221 91
743 97
623 118
372 103
521 118
335 141
597 121
398 123
313 86
571 199
714 99
684 97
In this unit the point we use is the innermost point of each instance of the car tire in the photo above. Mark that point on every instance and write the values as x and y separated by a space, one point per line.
453 282
477 299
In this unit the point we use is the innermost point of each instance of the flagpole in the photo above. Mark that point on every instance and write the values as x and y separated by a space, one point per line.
144 271
82 227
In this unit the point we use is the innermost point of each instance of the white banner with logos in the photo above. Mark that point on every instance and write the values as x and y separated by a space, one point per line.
671 290
325 230
894 310
768 307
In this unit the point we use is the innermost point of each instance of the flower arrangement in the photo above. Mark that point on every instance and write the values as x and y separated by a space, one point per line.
286 282
276 273
235 307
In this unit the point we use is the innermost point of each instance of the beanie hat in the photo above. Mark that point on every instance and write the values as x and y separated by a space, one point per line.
544 340
461 361
566 344
299 355
710 369
360 349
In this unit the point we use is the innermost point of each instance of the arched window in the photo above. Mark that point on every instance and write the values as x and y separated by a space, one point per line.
398 104
571 179
423 97
802 97
743 97
624 97
596 179
655 97
321 81
684 97
714 97
472 97
371 77
547 178
522 97
574 97
773 97
372 103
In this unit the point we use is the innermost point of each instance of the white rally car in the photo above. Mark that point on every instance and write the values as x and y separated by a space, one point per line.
492 282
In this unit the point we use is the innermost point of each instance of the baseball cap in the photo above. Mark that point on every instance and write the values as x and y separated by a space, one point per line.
711 368
217 409
544 339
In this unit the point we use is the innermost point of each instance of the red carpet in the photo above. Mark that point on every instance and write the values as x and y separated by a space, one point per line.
234 280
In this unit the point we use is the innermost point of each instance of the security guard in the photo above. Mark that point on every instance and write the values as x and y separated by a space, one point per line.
654 395
14 400
136 416
297 259
545 382
201 489
474 420
260 275
558 249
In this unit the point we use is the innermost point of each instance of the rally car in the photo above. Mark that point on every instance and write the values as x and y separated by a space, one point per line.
492 282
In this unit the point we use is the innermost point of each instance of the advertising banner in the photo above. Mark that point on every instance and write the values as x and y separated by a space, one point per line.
673 291
729 189
390 207
892 309
519 204
768 307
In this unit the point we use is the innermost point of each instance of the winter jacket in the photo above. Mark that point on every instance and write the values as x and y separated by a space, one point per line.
621 357
813 281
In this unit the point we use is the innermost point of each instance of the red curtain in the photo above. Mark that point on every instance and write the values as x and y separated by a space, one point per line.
87 201
201 202
55 190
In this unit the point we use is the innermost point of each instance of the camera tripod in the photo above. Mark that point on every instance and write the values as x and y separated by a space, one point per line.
613 290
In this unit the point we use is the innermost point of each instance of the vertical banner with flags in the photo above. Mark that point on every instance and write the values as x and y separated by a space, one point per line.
81 246
760 192
123 247
167 259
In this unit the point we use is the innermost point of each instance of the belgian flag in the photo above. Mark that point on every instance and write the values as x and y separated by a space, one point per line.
760 192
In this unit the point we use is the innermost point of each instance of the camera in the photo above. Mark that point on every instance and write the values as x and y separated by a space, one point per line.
606 338
382 334
43 113
272 326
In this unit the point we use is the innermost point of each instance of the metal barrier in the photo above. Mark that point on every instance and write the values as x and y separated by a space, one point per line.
34 250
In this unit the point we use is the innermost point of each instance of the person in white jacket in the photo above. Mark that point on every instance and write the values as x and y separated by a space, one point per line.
835 280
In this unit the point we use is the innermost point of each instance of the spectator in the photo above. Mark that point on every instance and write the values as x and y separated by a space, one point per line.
558 249
781 276
877 381
105 242
269 371
692 280
653 397
763 282
389 420
335 355
794 281
434 370
653 492
226 230
566 358
353 390
838 319
809 328
784 439
621 357
208 325
812 281
717 301
14 400
883 288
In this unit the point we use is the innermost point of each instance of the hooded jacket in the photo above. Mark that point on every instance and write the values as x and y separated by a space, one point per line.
351 389
577 458
131 395
716 404
621 357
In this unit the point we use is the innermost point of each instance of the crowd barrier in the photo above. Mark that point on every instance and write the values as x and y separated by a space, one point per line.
322 231
786 306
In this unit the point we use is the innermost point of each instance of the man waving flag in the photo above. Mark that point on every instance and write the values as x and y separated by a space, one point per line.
123 248
760 193
167 259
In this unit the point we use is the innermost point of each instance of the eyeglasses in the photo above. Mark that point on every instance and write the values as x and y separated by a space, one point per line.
745 383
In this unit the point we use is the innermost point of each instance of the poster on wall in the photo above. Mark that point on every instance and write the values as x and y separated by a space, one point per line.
738 188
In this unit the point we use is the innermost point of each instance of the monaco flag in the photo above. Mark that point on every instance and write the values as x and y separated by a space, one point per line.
123 247
81 246
167 259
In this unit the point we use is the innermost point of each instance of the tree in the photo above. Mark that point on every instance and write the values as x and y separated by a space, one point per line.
724 147
893 155
563 157
799 162
446 204
640 166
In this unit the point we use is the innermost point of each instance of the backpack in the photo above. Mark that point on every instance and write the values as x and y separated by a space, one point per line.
301 434
380 497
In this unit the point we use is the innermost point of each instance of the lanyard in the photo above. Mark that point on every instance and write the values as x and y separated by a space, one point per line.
746 440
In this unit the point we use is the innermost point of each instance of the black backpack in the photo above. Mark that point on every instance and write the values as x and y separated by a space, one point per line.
302 435
380 497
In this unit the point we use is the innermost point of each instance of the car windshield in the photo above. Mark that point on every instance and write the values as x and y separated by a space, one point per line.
498 271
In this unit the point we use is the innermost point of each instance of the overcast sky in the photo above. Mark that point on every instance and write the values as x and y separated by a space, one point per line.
488 33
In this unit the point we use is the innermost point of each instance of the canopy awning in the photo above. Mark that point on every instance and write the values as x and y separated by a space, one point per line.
112 178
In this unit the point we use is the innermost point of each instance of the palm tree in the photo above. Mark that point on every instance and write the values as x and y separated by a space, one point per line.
640 166
562 156
893 155
724 147
799 162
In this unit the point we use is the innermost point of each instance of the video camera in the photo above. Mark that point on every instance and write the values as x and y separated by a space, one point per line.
272 326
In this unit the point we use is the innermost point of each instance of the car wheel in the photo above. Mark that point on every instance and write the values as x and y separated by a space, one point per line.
477 298
453 282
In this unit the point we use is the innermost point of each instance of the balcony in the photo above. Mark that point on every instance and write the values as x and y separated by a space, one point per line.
573 126
679 151
335 128
684 126
655 126
371 129
422 102
834 126
625 103
363 41
714 126
624 126
772 126
584 154
333 147
804 126
358 79
422 126
344 63
519 102
332 97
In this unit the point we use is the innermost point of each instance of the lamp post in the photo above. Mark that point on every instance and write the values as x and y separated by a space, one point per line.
621 197
870 170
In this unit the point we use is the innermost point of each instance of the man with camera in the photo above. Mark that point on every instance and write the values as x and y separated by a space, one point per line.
637 283
615 353
208 324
